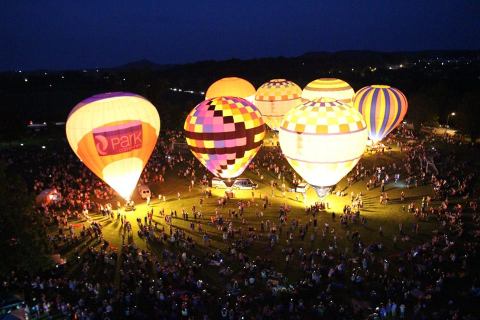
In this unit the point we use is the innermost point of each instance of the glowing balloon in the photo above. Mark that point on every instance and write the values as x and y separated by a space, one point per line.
231 87
224 134
383 108
114 134
329 88
323 140
275 98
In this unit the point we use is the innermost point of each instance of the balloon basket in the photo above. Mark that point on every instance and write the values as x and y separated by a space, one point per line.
322 192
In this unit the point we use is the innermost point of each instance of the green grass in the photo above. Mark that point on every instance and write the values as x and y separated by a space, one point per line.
387 216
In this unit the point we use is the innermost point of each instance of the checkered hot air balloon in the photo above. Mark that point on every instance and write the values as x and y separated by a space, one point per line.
383 108
114 134
329 88
275 98
231 87
323 140
224 134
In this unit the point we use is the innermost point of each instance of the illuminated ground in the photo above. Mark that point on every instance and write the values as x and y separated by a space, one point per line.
378 215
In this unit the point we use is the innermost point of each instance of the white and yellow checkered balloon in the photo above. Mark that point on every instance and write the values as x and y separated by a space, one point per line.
323 140
275 98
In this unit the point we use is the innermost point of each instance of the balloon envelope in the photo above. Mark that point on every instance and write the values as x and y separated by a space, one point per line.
231 87
323 140
114 135
224 134
383 108
329 88
275 98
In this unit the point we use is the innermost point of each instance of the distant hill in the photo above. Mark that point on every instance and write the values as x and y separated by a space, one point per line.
346 58
143 64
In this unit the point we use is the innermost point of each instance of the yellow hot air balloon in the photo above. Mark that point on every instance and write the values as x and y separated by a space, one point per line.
275 98
323 140
329 88
231 87
114 134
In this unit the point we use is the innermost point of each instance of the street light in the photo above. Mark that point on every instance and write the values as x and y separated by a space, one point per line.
450 115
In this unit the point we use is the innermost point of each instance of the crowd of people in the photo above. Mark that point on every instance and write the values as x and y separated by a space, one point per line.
312 264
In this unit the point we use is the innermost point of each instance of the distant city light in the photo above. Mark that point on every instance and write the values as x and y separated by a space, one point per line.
43 147
21 144
63 77
26 80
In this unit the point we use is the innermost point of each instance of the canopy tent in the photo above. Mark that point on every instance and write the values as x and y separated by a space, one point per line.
47 196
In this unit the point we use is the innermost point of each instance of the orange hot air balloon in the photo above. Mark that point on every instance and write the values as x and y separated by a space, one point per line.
114 134
231 87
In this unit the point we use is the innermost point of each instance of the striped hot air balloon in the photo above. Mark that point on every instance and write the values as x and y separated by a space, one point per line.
275 98
329 88
383 108
323 140
114 134
224 134
231 87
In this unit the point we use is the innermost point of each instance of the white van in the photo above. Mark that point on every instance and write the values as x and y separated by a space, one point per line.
301 187
218 183
144 191
244 184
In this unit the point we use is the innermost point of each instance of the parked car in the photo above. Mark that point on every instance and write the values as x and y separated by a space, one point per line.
244 184
144 191
301 187
218 183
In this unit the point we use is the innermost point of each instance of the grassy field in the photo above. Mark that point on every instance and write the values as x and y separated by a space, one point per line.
388 216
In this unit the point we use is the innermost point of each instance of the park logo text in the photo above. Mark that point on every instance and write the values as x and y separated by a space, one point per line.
111 140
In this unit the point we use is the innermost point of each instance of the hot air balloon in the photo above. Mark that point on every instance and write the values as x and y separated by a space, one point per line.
224 134
114 134
329 88
275 98
231 87
383 108
323 140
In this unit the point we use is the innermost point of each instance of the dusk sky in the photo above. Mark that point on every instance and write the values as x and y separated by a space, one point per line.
88 34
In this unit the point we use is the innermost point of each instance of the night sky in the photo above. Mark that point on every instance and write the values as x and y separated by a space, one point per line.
87 34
